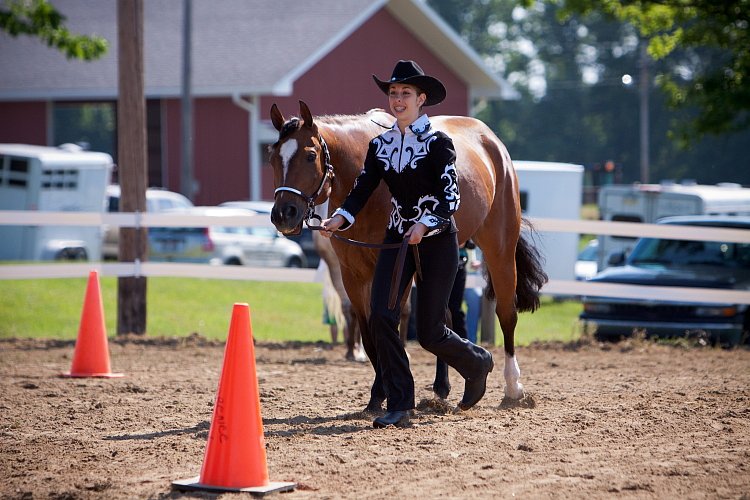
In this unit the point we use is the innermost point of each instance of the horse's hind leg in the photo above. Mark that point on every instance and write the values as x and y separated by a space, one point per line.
502 270
508 316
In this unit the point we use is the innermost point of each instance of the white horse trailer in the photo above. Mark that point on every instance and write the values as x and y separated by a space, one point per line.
64 179
650 202
553 190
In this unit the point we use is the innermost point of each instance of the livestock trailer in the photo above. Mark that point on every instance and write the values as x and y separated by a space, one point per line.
65 179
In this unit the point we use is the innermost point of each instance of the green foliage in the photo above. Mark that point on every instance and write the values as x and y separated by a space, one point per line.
40 19
720 86
579 119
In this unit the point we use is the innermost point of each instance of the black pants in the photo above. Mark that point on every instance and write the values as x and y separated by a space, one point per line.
455 303
439 260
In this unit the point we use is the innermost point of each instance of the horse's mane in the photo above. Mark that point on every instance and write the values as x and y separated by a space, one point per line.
375 116
372 117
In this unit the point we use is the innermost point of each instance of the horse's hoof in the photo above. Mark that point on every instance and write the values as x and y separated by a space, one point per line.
356 355
514 393
476 387
441 392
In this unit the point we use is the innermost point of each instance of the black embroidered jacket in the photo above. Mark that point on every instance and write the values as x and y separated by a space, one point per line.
419 170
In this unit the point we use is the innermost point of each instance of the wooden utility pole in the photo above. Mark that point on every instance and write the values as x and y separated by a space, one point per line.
643 91
132 162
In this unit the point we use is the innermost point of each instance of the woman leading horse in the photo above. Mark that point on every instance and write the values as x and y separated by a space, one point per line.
315 160
417 163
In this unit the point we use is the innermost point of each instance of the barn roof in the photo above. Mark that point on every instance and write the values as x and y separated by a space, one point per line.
250 47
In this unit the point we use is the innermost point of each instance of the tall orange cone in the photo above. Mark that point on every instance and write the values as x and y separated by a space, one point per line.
91 356
235 458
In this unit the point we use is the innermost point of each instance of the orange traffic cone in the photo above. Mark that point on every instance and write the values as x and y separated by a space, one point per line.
235 458
91 356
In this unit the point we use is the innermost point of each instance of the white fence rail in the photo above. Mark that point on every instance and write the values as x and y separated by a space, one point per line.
554 287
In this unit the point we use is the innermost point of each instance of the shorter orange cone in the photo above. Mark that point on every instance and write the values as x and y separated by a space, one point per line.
91 356
235 458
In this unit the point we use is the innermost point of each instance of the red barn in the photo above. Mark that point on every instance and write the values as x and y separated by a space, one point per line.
246 55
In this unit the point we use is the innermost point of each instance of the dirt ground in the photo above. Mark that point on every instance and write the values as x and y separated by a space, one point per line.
630 420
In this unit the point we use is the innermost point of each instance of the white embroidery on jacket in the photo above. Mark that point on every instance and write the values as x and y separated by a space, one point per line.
398 154
424 208
452 195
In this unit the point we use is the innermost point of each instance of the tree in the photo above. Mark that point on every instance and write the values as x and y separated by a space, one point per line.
711 40
40 19
574 105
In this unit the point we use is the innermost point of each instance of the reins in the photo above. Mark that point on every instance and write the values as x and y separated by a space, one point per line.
310 214
398 270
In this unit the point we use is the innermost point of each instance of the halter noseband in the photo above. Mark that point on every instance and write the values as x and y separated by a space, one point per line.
310 200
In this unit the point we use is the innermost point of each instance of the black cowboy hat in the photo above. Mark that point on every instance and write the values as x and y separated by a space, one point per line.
409 72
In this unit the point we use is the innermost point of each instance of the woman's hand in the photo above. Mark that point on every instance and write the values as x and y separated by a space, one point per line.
415 233
331 225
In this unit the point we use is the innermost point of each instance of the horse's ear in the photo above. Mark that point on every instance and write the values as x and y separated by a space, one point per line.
276 117
304 112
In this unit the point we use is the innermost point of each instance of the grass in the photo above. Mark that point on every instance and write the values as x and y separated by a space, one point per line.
51 308
556 320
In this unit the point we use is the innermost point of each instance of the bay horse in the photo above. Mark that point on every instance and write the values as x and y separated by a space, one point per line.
318 159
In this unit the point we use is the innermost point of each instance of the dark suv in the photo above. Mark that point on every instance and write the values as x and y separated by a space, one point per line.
683 263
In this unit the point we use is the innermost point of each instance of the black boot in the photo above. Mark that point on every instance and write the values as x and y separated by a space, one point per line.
398 418
475 387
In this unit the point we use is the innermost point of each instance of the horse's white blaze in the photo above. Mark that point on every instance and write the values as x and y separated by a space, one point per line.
287 152
513 388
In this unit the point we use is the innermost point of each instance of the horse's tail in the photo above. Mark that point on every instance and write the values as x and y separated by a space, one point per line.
530 275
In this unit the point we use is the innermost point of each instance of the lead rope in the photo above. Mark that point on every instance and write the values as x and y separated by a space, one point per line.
398 270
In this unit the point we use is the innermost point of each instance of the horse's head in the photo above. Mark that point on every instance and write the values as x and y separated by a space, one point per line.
301 169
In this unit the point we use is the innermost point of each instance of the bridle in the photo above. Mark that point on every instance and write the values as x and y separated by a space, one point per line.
310 200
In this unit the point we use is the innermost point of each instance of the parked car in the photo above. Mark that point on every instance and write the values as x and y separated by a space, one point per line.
586 265
157 200
304 239
261 207
684 263
261 246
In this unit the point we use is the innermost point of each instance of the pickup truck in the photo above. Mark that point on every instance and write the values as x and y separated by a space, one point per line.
684 263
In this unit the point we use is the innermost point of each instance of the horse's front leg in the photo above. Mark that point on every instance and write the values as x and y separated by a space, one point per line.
352 336
442 385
